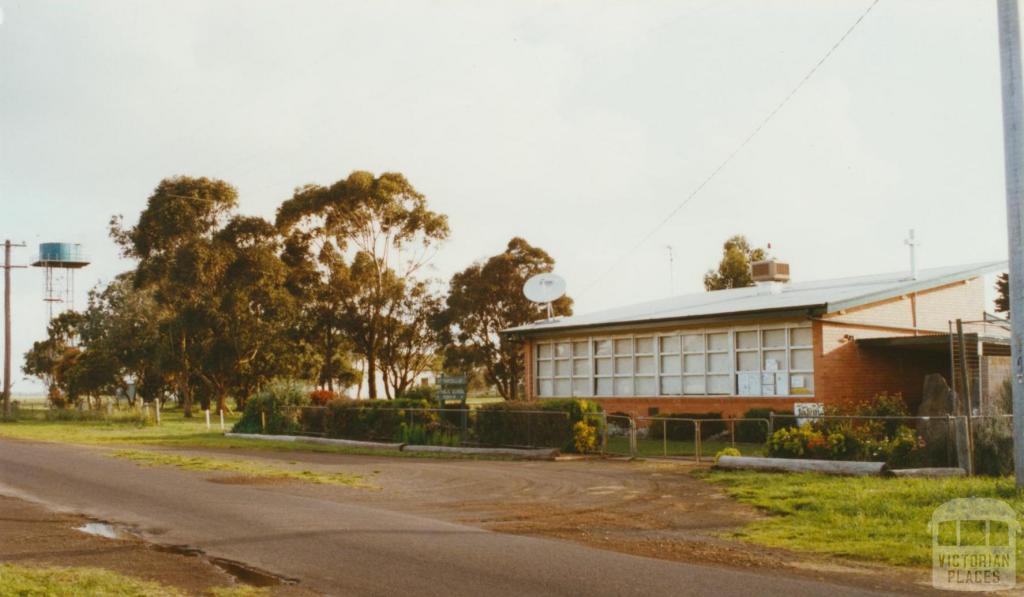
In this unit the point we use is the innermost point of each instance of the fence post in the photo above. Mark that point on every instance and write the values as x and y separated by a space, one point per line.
604 433
263 421
207 411
222 419
664 437
464 430
697 446
157 403
771 423
632 438
732 432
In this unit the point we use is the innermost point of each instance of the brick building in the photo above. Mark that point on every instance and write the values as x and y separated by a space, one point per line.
769 345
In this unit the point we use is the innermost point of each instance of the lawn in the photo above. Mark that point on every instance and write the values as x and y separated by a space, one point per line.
867 518
676 448
175 431
43 581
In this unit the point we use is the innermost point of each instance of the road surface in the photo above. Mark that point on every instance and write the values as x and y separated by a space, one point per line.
343 547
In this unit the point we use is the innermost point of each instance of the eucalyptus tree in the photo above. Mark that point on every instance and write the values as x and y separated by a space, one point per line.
486 298
367 237
733 270
173 242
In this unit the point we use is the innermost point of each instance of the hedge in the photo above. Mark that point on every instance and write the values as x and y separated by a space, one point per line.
535 423
368 419
684 431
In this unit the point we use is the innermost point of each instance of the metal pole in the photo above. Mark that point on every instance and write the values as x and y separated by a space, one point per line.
1013 157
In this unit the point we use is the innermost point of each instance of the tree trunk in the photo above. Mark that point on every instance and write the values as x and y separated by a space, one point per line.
221 402
371 374
185 389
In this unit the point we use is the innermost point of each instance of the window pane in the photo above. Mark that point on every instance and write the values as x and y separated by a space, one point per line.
693 343
602 347
645 386
545 369
719 384
623 365
581 387
693 385
645 365
563 387
562 350
545 388
580 367
718 362
801 383
800 337
604 366
718 341
746 339
544 351
581 349
669 343
624 346
693 363
671 386
774 338
670 364
747 361
563 368
623 386
803 359
604 387
779 358
645 345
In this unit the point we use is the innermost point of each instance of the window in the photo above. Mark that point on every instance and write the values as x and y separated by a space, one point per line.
770 360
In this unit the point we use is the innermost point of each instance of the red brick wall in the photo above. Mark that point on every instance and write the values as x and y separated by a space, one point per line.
729 406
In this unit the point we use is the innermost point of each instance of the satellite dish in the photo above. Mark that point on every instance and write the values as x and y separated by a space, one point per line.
544 288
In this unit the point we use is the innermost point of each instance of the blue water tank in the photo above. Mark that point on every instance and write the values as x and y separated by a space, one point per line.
61 252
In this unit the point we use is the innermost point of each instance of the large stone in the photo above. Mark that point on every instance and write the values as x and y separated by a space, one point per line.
938 432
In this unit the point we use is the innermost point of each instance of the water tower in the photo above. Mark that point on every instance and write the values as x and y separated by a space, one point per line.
59 262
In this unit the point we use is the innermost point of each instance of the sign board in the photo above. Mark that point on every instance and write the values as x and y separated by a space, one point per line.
451 388
749 383
807 411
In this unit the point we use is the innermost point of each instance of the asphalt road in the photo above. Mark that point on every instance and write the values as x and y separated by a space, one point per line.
349 548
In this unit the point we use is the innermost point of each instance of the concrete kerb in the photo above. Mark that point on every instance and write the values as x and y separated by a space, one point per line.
530 454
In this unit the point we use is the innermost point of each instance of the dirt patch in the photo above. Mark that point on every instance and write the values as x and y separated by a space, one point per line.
33 535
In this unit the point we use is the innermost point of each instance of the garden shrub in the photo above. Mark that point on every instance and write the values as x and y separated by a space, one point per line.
993 446
281 401
726 452
584 437
382 420
420 392
755 432
321 397
527 423
685 431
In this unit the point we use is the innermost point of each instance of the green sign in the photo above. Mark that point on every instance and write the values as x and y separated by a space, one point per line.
451 388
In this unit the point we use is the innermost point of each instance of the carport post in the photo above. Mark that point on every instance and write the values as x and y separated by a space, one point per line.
1013 157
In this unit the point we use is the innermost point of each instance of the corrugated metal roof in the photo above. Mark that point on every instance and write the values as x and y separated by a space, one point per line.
828 296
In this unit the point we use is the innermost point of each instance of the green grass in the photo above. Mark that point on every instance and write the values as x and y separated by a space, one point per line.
653 448
175 431
249 469
28 581
866 518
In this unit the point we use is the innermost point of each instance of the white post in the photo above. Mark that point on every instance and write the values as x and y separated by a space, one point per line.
207 411
222 419
1013 156
156 405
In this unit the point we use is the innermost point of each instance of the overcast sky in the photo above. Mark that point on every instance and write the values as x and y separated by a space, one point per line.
578 125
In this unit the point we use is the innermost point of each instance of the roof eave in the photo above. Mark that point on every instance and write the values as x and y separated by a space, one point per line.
780 313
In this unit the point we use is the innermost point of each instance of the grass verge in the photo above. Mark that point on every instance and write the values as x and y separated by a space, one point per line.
867 518
249 469
45 581
175 431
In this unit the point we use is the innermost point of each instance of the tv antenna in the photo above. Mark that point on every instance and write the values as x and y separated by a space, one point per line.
545 289
671 270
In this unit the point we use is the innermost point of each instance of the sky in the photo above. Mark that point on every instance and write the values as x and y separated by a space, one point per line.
579 125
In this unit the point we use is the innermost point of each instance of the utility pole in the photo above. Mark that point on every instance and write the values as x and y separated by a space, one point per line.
7 323
1013 157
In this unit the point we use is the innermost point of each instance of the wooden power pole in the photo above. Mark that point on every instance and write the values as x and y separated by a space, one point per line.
7 323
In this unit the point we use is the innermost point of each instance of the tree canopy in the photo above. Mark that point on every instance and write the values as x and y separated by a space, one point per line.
734 268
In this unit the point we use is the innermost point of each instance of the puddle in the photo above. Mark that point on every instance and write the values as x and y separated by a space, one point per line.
241 572
100 529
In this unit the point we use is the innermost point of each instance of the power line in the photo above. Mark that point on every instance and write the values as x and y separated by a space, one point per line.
778 107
